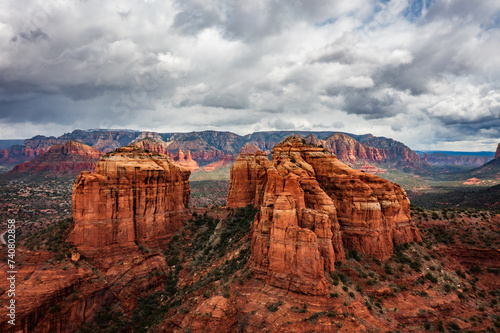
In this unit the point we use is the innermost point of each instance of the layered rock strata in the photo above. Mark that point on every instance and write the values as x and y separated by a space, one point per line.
373 213
71 157
248 180
311 206
372 150
133 197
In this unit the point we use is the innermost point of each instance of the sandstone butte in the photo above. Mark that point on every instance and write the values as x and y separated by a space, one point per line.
134 197
71 156
497 153
311 206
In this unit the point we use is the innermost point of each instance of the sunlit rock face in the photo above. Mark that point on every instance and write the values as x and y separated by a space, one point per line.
133 197
311 206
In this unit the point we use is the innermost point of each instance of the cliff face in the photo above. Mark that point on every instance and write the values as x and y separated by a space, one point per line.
311 206
133 197
373 213
71 157
371 149
350 150
248 180
497 153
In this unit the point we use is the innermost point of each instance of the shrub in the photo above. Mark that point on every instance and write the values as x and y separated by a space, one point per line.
274 306
453 326
299 310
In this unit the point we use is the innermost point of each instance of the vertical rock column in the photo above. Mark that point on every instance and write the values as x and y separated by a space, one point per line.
132 197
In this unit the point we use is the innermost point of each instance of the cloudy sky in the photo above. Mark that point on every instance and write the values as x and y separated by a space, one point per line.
425 72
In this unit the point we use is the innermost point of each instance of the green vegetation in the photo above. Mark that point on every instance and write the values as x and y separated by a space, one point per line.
211 240
273 307
52 239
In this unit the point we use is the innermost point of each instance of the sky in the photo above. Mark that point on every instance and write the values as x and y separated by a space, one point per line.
424 72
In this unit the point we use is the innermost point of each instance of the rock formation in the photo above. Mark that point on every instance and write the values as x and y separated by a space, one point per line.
152 144
497 153
373 213
71 157
249 149
186 161
311 206
349 149
248 180
472 181
372 150
133 197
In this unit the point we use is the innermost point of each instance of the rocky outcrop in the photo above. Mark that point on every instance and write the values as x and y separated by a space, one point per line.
133 197
72 157
249 149
295 236
186 161
248 180
311 206
497 153
349 149
152 144
397 153
472 181
372 150
373 213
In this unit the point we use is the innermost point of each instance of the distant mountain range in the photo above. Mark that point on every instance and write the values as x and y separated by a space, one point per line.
459 153
212 149
209 147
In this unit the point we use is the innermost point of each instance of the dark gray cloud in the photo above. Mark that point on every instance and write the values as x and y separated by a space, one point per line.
425 72
31 36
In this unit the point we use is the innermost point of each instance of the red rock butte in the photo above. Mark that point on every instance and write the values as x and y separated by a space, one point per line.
311 206
133 197
72 157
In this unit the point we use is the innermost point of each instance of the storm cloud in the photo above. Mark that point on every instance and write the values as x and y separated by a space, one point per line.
425 72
